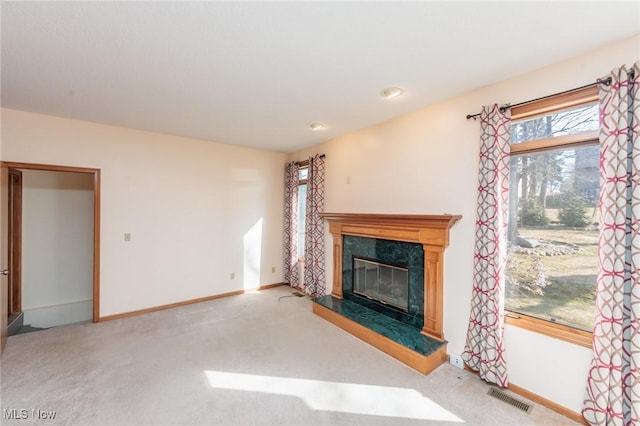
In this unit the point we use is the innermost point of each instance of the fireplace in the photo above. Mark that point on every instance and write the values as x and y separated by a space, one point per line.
388 283
382 283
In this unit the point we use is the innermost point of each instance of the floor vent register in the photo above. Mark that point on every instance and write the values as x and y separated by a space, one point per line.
497 393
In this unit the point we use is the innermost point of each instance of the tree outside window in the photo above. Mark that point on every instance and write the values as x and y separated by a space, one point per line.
553 218
303 175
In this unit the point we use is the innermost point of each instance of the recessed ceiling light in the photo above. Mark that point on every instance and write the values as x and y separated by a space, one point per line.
392 92
316 126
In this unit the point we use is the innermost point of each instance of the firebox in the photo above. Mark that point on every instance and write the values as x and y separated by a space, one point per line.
384 283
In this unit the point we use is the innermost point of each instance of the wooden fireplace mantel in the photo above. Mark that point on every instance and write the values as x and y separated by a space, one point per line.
432 231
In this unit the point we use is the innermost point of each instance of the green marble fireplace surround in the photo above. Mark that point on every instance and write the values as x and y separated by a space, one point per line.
399 253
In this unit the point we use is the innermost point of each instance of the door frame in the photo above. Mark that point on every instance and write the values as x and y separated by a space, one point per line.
96 217
15 241
4 246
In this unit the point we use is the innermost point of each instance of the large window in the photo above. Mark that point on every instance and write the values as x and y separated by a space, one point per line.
303 175
553 216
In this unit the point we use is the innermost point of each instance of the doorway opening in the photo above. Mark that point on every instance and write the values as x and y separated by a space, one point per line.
54 243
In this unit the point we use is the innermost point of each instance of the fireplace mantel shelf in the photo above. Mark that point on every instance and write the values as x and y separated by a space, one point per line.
446 220
425 229
431 231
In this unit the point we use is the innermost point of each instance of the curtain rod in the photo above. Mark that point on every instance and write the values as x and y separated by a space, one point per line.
298 162
606 82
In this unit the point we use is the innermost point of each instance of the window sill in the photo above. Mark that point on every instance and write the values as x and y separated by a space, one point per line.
558 331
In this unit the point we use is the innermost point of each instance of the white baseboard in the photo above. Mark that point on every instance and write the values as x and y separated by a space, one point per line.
52 316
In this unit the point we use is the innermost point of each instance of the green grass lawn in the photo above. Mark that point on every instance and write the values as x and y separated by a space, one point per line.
569 294
553 214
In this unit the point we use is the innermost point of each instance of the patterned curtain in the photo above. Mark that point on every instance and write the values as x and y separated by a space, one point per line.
291 224
314 274
484 349
613 383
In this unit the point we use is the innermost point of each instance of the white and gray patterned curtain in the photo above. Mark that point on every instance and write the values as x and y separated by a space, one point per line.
291 179
314 272
484 348
613 383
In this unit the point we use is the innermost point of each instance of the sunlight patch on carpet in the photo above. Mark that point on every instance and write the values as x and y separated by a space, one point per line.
340 397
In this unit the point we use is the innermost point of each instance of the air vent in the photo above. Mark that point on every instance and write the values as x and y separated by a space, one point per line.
497 393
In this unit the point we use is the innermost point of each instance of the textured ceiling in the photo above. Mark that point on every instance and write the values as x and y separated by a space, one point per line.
257 74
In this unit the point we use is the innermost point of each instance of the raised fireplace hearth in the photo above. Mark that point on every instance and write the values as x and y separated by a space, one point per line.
388 283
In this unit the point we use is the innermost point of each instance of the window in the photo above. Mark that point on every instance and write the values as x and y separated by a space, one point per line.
303 175
553 216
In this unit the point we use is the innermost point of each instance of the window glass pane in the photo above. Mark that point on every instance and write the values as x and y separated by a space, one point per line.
553 235
303 173
302 212
565 122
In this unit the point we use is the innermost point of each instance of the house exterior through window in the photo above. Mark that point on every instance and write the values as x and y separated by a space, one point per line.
553 216
303 175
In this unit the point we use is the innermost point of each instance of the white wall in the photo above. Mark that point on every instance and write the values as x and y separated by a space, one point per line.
196 210
57 247
427 163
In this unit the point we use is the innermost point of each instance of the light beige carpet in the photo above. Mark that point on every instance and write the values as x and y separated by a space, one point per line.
255 359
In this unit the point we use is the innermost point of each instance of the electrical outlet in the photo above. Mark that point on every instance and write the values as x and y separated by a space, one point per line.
273 269
127 236
456 360
232 276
